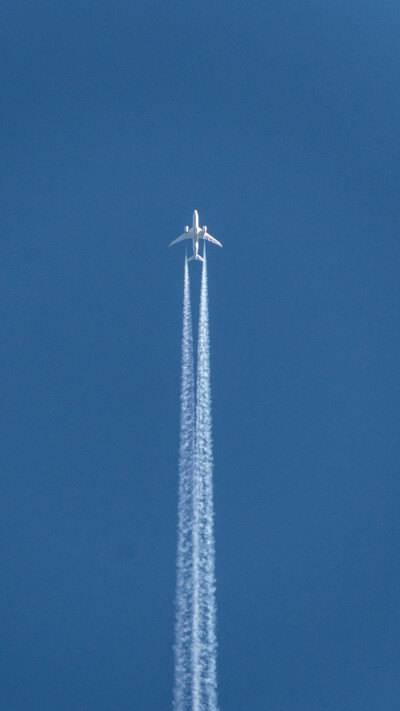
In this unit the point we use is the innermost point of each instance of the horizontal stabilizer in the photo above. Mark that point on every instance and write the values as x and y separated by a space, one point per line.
194 257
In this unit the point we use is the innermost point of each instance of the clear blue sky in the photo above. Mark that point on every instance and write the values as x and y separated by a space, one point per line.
280 122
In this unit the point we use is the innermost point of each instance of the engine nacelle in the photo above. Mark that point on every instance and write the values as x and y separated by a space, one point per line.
186 228
205 228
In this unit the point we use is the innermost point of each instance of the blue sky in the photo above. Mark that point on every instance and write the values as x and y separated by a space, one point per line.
280 123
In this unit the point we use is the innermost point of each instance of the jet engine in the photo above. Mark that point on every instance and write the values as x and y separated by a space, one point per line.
205 228
186 228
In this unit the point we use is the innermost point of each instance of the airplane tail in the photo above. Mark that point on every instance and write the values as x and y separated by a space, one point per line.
194 257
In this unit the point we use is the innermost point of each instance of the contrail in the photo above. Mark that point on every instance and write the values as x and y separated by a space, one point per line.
195 624
184 584
204 643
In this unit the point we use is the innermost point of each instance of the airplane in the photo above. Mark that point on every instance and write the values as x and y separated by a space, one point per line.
195 233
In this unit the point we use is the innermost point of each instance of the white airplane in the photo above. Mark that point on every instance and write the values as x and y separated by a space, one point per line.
195 233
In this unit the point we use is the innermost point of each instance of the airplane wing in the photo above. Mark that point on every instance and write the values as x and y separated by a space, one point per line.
186 235
211 239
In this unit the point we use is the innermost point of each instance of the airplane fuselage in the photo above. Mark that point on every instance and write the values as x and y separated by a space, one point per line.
196 232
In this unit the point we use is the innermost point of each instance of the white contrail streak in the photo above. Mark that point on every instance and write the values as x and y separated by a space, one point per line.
184 585
195 623
204 644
